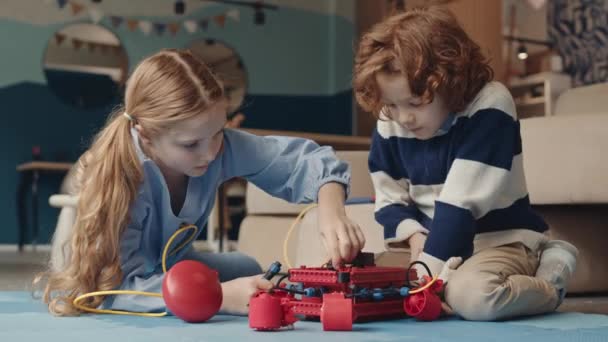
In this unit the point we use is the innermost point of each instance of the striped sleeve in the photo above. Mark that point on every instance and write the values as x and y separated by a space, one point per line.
486 175
393 210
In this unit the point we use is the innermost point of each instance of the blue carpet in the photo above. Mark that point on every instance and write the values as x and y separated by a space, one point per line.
23 319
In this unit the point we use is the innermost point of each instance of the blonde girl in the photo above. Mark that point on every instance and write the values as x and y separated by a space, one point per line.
156 166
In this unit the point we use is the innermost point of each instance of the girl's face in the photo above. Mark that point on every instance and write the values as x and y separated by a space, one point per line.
405 108
190 146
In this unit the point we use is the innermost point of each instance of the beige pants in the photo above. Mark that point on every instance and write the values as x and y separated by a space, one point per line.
495 284
498 283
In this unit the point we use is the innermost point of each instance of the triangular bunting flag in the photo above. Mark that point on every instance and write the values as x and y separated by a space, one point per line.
77 43
234 14
220 20
173 28
190 26
159 28
132 24
76 8
145 27
62 3
96 15
116 21
203 24
60 38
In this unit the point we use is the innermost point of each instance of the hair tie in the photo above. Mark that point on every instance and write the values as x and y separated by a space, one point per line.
128 116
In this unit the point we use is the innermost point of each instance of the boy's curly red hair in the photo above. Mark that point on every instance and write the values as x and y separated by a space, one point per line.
431 49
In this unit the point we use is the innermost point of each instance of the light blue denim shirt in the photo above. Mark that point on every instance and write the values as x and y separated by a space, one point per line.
290 168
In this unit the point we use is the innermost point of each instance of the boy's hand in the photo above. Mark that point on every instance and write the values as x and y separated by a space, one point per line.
416 242
449 267
238 292
446 310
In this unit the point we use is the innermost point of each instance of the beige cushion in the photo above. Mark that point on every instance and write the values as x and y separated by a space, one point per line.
260 203
361 182
592 99
261 237
565 158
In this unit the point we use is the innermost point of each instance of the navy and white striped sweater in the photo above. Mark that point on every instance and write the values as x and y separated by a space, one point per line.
464 187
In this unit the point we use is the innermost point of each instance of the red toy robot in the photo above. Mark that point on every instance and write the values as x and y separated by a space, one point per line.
340 296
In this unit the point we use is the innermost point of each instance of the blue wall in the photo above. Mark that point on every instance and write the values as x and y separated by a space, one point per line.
299 69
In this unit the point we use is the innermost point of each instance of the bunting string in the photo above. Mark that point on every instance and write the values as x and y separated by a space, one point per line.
189 25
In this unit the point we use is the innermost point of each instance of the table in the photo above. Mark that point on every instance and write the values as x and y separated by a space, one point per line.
29 176
337 141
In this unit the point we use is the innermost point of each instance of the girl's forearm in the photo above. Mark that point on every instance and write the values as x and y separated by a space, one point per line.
331 197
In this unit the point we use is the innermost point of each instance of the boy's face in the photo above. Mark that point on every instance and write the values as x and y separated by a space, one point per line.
401 106
188 147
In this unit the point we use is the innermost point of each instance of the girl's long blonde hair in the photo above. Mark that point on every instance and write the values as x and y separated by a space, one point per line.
165 88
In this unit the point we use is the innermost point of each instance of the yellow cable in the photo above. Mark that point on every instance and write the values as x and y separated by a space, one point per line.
117 312
179 231
78 299
293 225
425 286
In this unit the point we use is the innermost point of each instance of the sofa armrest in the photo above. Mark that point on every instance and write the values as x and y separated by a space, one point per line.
564 159
588 99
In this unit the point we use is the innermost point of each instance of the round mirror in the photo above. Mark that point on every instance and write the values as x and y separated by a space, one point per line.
85 65
227 64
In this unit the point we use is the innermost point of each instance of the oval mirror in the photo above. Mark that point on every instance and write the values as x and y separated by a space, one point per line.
85 65
228 65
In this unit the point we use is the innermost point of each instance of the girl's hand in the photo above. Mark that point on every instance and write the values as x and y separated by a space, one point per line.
343 239
238 292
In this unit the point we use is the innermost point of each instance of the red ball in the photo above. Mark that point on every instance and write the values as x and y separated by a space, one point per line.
192 291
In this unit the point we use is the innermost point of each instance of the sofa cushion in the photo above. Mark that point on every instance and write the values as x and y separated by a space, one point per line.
260 203
589 99
261 237
564 158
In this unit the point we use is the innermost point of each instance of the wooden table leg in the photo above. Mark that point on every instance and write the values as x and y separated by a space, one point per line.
25 181
35 225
